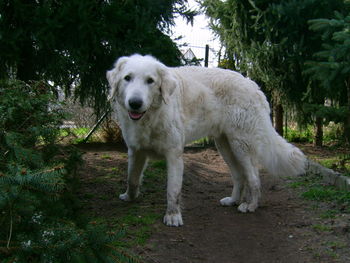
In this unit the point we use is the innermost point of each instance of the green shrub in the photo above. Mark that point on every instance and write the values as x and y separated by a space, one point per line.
333 132
299 135
38 222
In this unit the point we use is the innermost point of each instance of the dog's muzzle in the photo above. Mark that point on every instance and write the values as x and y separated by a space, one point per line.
135 105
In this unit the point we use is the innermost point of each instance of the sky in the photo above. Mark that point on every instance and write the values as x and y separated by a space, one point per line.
197 36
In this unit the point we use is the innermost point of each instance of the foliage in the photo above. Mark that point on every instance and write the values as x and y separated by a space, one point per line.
333 62
336 114
333 134
27 123
37 220
73 43
331 65
270 41
299 135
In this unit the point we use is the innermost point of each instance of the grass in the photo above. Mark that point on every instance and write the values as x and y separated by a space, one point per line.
137 227
139 221
336 244
115 170
315 190
330 206
322 228
329 214
78 132
339 161
137 218
326 193
202 142
106 156
77 135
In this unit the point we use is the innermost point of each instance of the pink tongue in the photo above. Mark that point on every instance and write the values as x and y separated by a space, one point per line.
135 115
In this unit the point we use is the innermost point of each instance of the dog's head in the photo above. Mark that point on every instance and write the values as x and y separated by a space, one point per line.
139 83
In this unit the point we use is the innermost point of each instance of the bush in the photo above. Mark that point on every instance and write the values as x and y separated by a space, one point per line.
298 135
37 221
332 133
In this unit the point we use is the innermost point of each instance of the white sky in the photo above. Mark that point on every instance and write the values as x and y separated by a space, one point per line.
197 36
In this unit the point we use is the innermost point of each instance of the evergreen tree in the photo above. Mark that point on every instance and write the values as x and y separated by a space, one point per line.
332 68
73 43
270 41
37 219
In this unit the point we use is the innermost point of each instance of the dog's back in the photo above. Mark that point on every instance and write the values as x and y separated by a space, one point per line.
212 96
225 86
218 101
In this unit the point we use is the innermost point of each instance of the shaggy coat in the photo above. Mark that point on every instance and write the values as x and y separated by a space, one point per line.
161 109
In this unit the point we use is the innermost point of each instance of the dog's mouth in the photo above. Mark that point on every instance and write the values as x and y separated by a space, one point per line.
136 115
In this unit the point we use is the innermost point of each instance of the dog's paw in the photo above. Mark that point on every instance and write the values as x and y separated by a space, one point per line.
252 207
227 201
173 219
245 207
125 197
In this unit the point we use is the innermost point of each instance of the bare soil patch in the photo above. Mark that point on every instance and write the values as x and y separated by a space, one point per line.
285 228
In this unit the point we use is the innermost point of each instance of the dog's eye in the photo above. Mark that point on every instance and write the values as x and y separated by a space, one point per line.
150 81
127 78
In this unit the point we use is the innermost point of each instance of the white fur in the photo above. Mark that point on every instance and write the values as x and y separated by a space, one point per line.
187 103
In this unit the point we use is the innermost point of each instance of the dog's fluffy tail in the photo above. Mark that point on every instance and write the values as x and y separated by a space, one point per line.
279 157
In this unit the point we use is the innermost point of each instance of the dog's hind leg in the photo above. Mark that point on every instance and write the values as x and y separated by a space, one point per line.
224 148
137 162
243 156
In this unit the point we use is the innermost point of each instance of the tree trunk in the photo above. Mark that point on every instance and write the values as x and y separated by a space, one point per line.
279 119
318 140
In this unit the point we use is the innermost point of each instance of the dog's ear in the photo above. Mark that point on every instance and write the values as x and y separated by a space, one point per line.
168 83
113 76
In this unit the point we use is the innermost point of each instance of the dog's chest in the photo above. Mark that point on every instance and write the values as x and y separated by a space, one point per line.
139 137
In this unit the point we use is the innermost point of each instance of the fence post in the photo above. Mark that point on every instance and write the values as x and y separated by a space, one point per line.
208 140
206 59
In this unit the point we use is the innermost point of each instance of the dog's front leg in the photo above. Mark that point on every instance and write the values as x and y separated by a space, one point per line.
137 162
175 167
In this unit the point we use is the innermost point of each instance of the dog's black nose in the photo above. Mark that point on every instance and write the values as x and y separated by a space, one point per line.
135 103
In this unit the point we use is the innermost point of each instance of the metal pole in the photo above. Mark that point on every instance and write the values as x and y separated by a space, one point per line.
208 140
206 59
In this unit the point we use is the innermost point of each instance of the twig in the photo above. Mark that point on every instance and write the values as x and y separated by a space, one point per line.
10 235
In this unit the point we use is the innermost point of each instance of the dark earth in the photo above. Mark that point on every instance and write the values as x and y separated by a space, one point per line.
285 228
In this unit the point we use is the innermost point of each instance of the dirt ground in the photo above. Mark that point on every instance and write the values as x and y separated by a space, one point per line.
285 228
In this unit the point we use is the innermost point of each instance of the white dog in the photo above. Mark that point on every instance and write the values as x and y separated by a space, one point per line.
161 109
